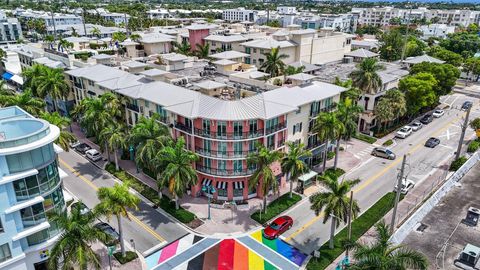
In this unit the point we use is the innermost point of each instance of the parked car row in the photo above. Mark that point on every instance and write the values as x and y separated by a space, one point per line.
87 150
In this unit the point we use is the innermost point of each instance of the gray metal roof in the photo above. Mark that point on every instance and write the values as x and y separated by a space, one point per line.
228 55
362 53
423 58
97 73
268 43
226 39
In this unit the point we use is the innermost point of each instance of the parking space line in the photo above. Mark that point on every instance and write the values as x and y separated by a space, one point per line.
130 215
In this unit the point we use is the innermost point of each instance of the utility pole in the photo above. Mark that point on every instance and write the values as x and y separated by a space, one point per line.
406 37
462 136
83 20
350 212
126 24
397 196
54 27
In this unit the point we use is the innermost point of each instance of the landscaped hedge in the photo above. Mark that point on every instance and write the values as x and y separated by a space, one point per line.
334 174
473 146
359 227
276 207
129 256
388 142
365 138
165 203
456 164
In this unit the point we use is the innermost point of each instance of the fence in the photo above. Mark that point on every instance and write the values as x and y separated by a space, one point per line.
431 201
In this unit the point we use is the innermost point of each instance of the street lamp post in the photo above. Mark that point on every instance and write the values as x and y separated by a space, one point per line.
209 190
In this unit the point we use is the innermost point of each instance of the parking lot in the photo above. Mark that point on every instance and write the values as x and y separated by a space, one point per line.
441 236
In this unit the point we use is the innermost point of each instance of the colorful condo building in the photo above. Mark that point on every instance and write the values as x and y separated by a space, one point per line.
222 132
30 189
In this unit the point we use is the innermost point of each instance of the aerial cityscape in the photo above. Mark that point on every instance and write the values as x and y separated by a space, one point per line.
239 135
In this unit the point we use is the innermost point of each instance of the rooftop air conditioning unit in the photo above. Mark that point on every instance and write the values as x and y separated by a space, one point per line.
347 60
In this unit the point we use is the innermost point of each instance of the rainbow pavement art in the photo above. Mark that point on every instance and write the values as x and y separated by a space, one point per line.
281 247
170 250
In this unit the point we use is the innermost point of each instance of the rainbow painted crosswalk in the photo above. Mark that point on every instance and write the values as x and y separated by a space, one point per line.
281 247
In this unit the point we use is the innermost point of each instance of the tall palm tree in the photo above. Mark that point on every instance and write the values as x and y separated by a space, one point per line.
328 127
203 50
397 101
177 171
148 136
366 77
119 36
52 83
347 113
274 64
32 76
135 37
50 40
383 112
61 122
384 255
335 202
115 201
293 163
263 176
115 138
25 100
182 48
73 248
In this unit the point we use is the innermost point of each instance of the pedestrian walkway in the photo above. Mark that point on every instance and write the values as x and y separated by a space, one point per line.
243 252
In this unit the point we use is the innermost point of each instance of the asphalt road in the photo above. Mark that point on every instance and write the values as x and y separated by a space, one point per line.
147 227
379 175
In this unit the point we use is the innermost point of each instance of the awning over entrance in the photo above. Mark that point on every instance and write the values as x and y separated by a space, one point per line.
238 185
7 76
222 185
206 182
308 176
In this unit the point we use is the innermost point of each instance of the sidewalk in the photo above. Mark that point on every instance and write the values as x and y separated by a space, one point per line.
100 249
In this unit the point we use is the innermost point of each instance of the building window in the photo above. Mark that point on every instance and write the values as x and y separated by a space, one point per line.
237 166
297 128
237 129
221 129
238 148
206 126
1 227
206 146
271 141
222 148
247 50
223 192
5 252
222 165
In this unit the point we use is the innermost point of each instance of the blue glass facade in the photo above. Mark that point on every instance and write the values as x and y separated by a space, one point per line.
30 188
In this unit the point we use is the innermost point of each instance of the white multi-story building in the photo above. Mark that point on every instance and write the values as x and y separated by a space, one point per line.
158 14
30 188
10 29
239 15
52 20
117 18
286 10
381 16
339 22
436 30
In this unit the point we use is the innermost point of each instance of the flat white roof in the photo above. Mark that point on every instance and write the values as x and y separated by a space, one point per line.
229 55
301 77
224 62
209 84
268 43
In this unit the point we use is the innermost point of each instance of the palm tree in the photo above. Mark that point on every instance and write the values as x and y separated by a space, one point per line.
61 122
293 163
328 127
366 77
25 101
115 201
182 48
273 63
384 255
177 170
135 37
397 101
114 136
96 32
32 76
291 70
335 202
50 39
74 32
119 36
347 113
78 235
263 175
384 112
203 50
148 136
3 54
52 83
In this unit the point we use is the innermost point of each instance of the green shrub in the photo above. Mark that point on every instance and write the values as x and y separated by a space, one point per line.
456 164
129 256
473 146
359 227
330 155
334 174
165 203
276 207
365 138
388 142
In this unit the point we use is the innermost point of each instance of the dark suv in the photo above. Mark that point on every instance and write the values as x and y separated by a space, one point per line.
427 118
83 147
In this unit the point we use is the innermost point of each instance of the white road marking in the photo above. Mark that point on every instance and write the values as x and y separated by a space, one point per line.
446 146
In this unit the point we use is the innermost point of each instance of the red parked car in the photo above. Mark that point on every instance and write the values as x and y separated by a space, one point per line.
277 227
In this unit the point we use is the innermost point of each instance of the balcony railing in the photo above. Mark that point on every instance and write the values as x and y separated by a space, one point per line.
133 107
275 128
227 135
280 143
223 154
183 127
325 109
314 145
220 172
